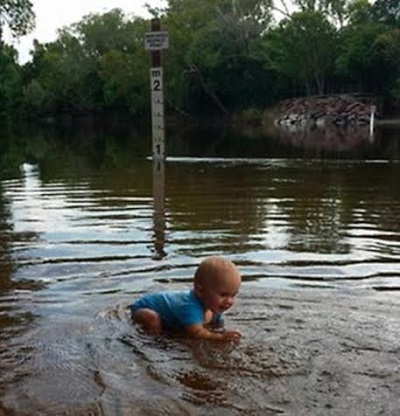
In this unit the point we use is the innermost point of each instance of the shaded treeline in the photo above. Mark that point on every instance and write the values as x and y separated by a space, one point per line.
224 56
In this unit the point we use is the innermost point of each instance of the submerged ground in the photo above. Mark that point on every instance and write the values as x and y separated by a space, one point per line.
305 352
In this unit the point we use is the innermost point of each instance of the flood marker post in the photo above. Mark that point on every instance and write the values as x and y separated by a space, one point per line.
155 41
372 122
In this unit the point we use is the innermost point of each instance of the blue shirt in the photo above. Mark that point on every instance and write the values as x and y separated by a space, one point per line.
177 309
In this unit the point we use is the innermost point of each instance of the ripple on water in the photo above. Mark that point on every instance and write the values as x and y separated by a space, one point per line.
91 241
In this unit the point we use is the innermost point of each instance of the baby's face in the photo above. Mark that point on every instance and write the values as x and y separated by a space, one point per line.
220 296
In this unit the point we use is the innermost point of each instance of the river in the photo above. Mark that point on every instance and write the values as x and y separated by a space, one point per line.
88 223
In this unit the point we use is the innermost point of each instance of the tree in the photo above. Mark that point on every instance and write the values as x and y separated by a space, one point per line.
65 74
125 81
359 57
388 45
114 44
94 65
304 49
359 12
10 82
212 54
18 15
334 10
386 11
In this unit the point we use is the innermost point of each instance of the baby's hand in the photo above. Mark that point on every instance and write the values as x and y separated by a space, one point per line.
233 335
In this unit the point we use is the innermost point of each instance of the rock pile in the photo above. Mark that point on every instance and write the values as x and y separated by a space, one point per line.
325 110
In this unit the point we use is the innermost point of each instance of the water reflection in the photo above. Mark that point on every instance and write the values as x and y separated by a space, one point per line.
87 226
328 139
13 233
266 141
159 208
6 265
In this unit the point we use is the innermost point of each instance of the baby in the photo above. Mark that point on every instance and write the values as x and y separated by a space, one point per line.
196 312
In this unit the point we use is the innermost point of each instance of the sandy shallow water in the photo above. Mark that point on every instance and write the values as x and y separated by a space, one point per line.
305 352
335 354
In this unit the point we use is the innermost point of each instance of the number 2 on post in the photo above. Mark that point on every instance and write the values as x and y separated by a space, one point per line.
156 85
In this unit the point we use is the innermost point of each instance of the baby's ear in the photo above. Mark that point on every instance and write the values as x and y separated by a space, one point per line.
197 288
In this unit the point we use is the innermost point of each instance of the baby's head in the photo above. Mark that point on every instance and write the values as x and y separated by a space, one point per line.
216 283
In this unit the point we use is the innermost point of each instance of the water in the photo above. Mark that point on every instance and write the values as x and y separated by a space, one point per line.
85 229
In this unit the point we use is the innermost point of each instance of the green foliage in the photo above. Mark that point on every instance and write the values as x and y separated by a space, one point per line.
10 83
213 53
303 48
18 15
333 10
359 12
124 80
224 56
34 95
94 65
386 11
388 45
99 34
359 57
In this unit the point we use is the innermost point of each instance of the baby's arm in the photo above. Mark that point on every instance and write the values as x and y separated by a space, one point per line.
198 331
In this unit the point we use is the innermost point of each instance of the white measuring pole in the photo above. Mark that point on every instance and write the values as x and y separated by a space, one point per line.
372 122
157 112
155 41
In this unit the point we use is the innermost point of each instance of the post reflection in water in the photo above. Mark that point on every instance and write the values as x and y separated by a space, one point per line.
159 208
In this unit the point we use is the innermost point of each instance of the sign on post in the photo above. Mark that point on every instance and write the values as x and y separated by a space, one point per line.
155 41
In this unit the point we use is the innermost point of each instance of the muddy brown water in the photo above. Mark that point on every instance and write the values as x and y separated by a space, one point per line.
318 243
